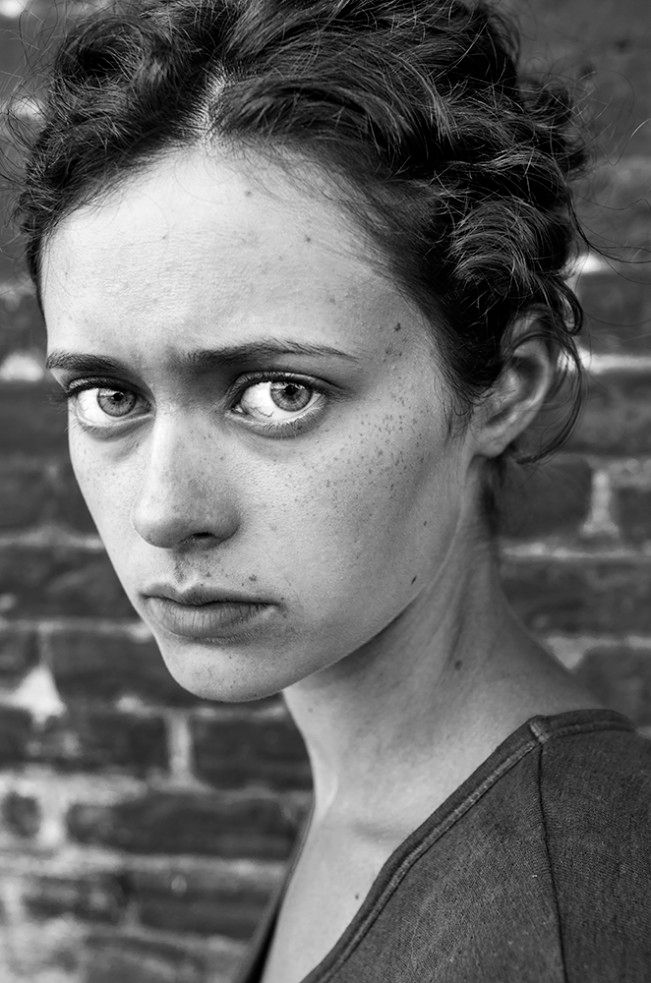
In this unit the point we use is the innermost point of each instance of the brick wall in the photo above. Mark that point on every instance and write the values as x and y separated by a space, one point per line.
141 829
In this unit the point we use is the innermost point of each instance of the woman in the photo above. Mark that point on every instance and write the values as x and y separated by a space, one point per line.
301 267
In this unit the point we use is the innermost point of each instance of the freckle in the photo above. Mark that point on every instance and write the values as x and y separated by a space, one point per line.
248 193
425 522
458 664
414 579
308 238
356 896
398 327
253 578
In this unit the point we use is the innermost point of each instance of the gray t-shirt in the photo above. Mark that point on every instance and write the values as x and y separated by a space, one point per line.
535 870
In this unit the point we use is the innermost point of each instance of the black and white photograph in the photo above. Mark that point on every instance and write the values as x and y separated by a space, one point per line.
325 491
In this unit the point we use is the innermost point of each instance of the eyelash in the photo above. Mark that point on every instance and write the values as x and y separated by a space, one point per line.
288 428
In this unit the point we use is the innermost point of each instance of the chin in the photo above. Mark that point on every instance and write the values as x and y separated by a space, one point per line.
211 671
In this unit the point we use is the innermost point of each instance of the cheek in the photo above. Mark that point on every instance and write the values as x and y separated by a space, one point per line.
364 508
106 486
368 510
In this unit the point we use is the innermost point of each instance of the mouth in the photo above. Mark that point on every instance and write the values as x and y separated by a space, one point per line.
199 613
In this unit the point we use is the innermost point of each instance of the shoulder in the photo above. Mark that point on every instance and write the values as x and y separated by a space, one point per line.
595 790
595 780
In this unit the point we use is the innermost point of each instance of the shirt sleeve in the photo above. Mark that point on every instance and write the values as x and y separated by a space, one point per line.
595 800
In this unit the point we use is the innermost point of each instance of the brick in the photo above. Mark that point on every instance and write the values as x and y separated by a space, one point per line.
602 43
177 822
620 678
633 510
12 265
232 753
26 31
130 959
46 581
579 22
69 506
614 205
553 497
26 493
31 423
609 81
90 667
15 732
21 814
188 902
92 897
600 53
580 596
13 269
18 653
57 792
11 156
21 324
618 96
96 737
225 914
12 52
618 311
37 492
616 417
37 950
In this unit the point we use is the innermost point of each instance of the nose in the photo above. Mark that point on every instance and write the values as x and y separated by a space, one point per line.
184 493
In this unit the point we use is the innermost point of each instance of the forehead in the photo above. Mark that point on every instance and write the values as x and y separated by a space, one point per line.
198 241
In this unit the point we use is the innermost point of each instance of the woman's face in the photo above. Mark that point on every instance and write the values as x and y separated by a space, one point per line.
257 422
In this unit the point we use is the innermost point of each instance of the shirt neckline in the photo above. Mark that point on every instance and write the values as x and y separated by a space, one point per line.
536 730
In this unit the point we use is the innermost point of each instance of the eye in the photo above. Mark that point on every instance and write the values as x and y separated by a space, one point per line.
101 406
278 402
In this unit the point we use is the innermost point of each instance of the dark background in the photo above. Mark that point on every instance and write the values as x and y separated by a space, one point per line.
141 829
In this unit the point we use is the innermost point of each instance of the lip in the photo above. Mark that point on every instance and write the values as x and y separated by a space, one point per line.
199 595
201 612
223 619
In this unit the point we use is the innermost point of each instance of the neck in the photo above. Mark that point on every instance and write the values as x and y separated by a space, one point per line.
416 709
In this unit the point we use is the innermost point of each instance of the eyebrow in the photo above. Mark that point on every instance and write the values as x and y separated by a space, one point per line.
202 359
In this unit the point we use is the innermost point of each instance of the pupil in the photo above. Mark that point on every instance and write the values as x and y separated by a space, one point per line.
114 402
289 395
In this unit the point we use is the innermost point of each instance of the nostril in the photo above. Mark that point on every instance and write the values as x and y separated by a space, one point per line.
198 538
172 509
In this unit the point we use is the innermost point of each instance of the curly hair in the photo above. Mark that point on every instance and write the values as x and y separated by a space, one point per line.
456 166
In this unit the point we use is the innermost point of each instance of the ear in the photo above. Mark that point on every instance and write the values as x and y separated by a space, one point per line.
518 394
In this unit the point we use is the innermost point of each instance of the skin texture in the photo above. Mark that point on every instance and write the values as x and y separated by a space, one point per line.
215 262
387 628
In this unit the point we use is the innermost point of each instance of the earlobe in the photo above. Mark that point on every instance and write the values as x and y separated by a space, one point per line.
517 395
